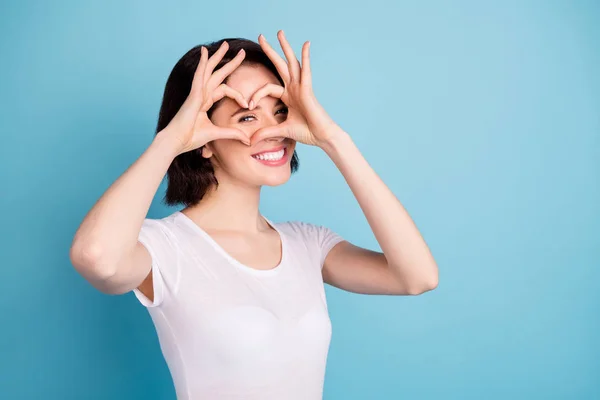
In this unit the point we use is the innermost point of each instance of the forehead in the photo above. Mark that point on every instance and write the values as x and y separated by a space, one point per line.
247 79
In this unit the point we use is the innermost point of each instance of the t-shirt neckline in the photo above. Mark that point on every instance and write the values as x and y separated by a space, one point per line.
231 259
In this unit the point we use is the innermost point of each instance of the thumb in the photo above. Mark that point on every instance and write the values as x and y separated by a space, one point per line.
267 133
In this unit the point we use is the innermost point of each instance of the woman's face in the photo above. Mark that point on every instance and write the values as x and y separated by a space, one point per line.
263 162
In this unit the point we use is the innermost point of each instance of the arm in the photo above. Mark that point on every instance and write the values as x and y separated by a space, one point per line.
406 265
105 249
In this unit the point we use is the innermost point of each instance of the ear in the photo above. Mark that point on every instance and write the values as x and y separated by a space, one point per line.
207 151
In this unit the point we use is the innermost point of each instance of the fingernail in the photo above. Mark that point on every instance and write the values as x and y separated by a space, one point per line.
251 105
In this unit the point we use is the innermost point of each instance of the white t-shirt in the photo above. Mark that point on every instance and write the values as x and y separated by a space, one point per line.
229 331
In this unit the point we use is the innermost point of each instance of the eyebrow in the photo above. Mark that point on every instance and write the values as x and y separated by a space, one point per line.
241 110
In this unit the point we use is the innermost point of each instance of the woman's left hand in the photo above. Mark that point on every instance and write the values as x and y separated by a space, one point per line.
306 122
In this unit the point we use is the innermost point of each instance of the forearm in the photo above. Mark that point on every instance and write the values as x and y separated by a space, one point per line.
400 240
112 226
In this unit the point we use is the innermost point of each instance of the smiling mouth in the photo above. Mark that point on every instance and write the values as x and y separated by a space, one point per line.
273 158
272 155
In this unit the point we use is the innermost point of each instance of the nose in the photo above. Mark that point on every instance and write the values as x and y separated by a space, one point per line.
272 121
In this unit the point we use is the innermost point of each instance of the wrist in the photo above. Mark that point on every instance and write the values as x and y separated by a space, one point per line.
336 138
168 142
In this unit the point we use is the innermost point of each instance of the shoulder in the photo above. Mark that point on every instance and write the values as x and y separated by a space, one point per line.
298 228
307 231
163 226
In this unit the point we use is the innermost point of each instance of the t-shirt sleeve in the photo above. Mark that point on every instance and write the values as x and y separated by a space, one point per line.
326 239
158 239
319 240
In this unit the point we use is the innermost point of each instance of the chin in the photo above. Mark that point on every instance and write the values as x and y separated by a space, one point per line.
276 179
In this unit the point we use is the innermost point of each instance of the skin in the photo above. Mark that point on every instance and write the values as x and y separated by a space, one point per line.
105 248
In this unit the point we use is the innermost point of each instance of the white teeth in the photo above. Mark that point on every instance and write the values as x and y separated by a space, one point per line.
276 156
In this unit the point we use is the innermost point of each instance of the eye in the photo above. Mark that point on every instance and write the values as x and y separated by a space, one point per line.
244 118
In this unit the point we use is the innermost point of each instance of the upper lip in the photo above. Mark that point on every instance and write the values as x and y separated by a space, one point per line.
273 150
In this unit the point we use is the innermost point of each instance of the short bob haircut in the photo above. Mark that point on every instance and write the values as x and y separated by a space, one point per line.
190 175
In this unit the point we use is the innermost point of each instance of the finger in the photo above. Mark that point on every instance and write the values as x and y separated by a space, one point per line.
305 74
215 59
294 65
231 133
279 62
218 77
226 91
269 132
198 80
270 89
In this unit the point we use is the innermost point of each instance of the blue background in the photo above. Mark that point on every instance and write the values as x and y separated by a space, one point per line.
483 118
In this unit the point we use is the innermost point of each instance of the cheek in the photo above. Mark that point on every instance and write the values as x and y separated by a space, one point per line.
229 151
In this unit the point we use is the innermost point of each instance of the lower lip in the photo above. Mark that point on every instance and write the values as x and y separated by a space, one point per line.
277 163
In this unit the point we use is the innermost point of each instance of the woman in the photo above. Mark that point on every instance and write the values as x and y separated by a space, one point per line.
237 300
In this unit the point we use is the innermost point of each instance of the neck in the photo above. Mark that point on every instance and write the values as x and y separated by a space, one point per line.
230 206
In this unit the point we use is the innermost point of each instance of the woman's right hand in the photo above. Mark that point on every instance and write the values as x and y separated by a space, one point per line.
191 127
